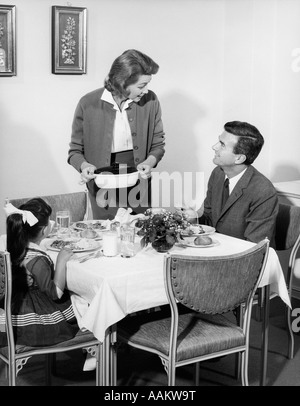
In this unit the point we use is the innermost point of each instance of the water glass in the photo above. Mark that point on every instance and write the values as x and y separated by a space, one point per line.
127 241
63 221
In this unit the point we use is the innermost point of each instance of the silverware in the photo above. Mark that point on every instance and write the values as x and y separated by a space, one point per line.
93 255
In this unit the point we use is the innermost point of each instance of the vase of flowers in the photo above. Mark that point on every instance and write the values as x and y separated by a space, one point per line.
161 228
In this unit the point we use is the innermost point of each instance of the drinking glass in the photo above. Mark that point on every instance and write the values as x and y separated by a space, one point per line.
127 241
63 221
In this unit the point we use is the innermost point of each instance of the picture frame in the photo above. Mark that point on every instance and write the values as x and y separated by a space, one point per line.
69 40
7 40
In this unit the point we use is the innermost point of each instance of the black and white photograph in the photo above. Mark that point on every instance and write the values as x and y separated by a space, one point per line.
150 186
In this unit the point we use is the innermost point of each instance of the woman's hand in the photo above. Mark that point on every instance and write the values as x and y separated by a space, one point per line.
87 172
145 167
144 170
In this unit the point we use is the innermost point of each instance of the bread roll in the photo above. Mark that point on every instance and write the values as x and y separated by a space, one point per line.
202 240
88 233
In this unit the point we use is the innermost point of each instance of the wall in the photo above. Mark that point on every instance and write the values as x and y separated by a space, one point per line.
219 60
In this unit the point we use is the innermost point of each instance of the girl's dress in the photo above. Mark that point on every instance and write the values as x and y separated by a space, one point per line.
40 318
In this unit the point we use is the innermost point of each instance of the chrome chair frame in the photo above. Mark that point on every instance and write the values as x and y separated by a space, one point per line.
287 238
16 356
184 287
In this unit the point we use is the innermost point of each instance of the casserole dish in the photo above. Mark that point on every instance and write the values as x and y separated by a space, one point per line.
116 176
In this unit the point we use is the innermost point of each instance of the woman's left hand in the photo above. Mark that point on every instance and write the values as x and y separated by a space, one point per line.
144 170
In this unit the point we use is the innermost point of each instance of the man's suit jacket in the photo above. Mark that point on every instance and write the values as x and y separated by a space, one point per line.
250 211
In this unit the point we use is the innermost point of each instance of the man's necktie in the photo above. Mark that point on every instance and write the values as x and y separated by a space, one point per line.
225 193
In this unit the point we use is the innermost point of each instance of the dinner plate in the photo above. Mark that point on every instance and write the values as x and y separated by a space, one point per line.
199 229
77 245
189 242
97 225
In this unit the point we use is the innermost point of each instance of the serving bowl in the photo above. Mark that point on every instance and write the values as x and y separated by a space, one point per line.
116 176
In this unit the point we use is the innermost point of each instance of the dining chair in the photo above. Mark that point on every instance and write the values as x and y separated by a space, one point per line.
15 356
200 291
287 238
77 203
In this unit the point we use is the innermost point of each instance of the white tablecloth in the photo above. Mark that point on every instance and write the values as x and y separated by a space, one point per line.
105 290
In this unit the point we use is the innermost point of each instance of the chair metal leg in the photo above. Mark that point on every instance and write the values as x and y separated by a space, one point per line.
244 369
12 373
265 334
290 333
239 314
105 349
98 365
238 360
113 356
171 374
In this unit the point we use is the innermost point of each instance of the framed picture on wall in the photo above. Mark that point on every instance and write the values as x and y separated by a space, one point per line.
7 40
69 40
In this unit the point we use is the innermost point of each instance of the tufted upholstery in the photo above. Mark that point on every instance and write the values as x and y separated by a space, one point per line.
287 238
191 281
287 226
77 203
192 328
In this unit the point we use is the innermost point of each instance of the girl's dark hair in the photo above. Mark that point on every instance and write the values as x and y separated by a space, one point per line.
127 69
250 141
19 233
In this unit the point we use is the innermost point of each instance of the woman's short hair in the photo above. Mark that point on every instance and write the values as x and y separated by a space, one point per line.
127 69
250 141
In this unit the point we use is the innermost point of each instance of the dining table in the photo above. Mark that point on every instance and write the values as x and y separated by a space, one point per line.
104 290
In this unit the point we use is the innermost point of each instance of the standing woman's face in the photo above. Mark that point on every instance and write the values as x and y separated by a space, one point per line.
138 89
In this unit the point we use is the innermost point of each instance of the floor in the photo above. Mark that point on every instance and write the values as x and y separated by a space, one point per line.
137 368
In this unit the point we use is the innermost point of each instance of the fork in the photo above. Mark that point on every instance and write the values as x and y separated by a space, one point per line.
91 256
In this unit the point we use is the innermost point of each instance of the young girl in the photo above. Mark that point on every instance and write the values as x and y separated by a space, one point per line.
41 308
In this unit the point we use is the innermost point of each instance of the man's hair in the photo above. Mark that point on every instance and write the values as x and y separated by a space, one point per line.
250 141
127 69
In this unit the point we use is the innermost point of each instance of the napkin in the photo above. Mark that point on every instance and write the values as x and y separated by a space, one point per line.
124 216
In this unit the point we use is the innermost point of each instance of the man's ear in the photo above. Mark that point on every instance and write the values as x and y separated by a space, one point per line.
240 159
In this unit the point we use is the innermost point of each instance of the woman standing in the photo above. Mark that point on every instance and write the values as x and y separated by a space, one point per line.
119 123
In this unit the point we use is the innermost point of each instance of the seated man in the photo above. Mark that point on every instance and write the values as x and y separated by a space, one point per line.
251 209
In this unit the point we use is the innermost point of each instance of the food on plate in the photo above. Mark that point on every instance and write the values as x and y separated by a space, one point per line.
80 245
203 240
97 225
88 233
191 230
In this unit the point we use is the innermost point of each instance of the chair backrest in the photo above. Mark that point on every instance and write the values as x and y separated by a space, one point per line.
5 298
215 284
287 227
77 203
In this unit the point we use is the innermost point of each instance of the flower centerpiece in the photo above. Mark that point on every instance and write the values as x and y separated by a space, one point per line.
161 228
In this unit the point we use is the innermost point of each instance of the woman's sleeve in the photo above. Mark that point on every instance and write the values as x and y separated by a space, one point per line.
158 142
76 149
